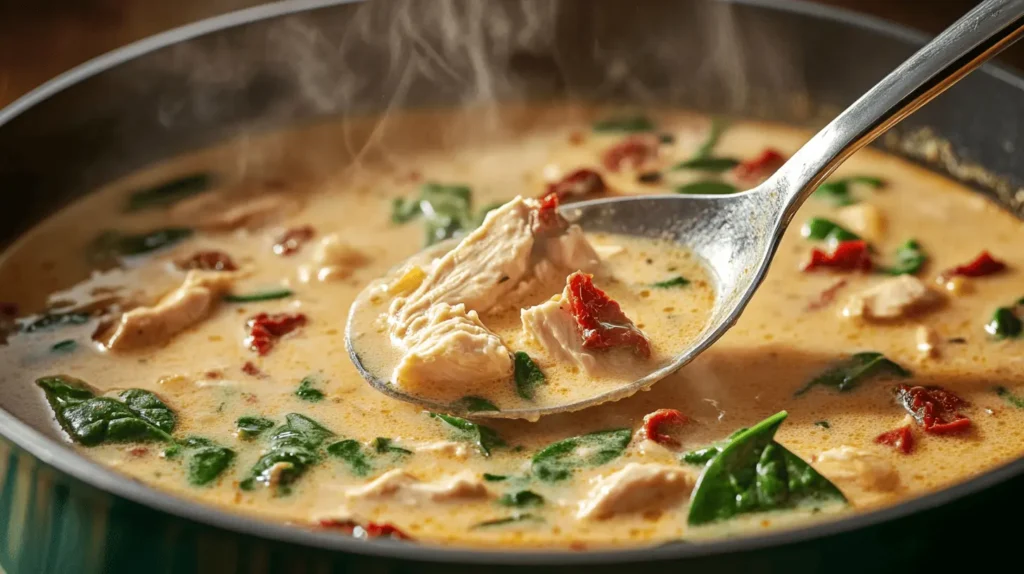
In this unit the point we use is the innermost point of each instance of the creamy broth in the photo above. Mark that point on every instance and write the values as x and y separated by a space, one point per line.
208 375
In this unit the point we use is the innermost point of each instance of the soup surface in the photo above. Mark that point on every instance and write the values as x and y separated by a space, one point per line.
185 326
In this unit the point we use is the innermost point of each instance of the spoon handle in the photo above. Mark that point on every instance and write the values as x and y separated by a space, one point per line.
970 41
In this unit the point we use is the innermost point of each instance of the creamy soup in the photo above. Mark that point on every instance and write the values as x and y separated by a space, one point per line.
185 326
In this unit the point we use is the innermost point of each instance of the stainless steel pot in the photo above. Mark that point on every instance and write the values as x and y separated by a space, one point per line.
309 60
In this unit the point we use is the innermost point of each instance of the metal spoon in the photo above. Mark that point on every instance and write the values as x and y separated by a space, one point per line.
737 235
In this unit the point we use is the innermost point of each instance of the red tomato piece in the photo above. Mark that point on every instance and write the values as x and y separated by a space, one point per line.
208 261
901 439
983 264
546 220
293 239
630 153
846 256
934 408
655 422
760 166
600 320
579 183
265 330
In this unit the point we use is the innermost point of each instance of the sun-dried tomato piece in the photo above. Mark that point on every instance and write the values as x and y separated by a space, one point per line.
251 369
934 408
630 153
369 530
760 166
827 296
901 439
265 330
846 256
600 320
546 220
579 183
983 264
211 260
293 239
655 422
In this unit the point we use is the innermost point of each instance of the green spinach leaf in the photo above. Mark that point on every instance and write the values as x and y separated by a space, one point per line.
90 420
519 517
527 375
351 451
472 404
113 244
169 193
521 499
485 438
269 295
1010 397
823 424
624 123
678 281
850 372
308 392
838 193
707 188
494 477
708 164
821 229
294 447
385 445
909 260
446 209
1004 324
718 126
206 460
558 461
753 473
67 345
51 320
252 427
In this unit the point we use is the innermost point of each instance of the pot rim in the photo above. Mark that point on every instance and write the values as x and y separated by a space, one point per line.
65 459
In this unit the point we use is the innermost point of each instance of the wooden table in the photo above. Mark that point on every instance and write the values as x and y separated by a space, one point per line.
41 38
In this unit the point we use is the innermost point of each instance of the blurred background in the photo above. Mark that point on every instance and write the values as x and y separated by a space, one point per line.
41 38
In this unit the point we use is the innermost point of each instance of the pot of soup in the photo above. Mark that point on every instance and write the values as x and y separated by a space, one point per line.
189 220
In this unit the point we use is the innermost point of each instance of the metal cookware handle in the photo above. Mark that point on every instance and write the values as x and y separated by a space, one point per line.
970 41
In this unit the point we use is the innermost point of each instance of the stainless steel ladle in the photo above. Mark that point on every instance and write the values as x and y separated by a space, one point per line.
737 235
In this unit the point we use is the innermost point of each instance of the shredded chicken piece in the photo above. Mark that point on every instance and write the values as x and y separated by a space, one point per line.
636 488
891 299
553 327
452 344
332 259
927 341
860 470
864 219
177 311
452 449
401 487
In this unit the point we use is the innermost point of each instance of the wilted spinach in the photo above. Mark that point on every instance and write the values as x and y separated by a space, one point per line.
296 444
521 499
252 427
307 391
206 459
850 372
485 438
909 260
170 192
558 460
351 451
113 244
838 191
385 445
527 375
472 404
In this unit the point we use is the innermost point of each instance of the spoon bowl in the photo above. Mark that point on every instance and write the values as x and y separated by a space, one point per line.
737 235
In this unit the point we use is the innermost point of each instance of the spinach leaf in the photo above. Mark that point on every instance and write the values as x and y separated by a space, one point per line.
484 437
624 123
521 498
50 320
703 455
113 244
823 424
753 473
1004 324
527 374
1010 397
707 188
268 295
307 392
90 420
519 517
385 445
494 477
838 191
169 193
294 447
909 260
850 372
472 404
65 345
718 126
404 210
252 427
819 228
678 281
207 460
447 210
351 451
557 461
708 164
